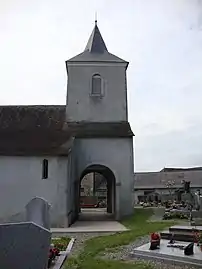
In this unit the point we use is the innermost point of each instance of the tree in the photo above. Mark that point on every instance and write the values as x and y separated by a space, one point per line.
170 184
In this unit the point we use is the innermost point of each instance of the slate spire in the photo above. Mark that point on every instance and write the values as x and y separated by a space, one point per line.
96 50
96 43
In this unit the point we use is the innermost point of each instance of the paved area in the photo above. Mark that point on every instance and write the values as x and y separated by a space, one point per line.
95 214
169 254
158 213
92 221
92 227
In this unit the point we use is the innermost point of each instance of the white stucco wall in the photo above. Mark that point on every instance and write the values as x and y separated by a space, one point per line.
21 180
117 155
83 107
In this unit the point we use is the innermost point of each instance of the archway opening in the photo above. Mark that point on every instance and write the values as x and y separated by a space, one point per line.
97 193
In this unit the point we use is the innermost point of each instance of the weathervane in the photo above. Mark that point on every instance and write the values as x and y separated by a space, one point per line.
96 18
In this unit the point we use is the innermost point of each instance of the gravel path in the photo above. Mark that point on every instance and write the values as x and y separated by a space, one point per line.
122 253
80 241
158 214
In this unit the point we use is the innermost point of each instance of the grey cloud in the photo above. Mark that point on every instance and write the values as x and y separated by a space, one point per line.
174 148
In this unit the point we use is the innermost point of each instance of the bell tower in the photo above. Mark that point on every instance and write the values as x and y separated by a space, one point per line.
97 88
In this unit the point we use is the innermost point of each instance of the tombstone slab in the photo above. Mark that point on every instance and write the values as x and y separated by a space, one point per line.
24 246
37 211
170 255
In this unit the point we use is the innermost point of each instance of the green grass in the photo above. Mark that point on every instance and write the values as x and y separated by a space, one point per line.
88 258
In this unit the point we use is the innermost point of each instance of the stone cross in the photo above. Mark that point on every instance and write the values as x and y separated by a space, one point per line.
38 211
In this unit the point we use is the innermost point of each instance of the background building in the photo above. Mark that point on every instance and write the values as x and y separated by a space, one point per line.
166 184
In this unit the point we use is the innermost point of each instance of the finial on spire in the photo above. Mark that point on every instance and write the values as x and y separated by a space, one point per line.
96 18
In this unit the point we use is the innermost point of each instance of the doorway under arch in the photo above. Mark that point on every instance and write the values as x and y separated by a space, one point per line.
97 193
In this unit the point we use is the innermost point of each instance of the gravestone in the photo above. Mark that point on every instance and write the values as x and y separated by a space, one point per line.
38 211
24 246
198 200
197 215
187 198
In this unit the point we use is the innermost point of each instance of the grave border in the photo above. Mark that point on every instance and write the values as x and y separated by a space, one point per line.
63 255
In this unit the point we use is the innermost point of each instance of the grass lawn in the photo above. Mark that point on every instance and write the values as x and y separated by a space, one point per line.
139 227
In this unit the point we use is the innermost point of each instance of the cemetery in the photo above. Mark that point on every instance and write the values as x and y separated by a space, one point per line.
40 248
180 244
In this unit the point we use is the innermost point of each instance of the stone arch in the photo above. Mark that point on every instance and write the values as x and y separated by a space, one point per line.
109 176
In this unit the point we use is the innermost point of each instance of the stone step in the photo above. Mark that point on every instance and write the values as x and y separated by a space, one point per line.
185 229
178 236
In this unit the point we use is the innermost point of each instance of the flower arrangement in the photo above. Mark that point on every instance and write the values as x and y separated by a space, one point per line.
155 237
60 243
57 245
154 241
200 240
53 253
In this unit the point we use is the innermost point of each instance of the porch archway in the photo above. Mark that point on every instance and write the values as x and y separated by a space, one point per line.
105 182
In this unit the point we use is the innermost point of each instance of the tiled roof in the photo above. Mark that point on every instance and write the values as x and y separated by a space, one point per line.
32 130
159 179
21 118
42 130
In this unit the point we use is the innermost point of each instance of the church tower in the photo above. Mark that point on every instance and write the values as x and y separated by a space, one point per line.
97 116
96 90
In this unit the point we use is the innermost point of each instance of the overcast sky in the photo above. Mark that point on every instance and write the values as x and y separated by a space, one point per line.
162 40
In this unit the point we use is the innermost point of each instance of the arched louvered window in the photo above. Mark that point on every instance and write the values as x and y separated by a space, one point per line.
96 85
45 169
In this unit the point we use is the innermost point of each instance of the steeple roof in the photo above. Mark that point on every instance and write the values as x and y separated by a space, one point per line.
96 43
96 50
